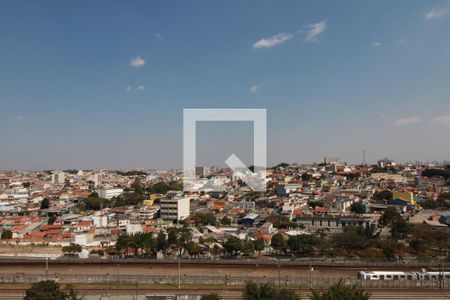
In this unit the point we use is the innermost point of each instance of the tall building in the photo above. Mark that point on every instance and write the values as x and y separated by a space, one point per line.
175 208
97 179
202 171
58 178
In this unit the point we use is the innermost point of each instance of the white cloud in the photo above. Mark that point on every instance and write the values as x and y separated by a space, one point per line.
314 30
407 121
19 118
273 40
137 62
128 88
376 44
438 11
441 120
159 36
140 88
255 88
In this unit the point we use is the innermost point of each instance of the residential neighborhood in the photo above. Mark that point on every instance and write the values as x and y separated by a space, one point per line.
306 212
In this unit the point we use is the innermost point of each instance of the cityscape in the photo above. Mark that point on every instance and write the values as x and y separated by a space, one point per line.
224 150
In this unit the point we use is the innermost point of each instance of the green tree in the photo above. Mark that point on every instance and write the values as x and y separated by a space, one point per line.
226 221
137 187
26 185
161 242
202 219
6 234
358 208
51 220
233 245
285 294
248 248
279 243
72 249
400 229
260 245
193 249
212 296
45 203
300 244
122 243
383 195
389 215
45 290
255 291
340 291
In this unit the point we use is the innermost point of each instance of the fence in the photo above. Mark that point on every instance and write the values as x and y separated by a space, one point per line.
282 281
317 262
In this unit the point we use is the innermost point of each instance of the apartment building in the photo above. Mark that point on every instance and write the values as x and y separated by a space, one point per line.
175 208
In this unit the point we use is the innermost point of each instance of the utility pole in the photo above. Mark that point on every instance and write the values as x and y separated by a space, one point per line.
310 274
179 271
46 267
279 274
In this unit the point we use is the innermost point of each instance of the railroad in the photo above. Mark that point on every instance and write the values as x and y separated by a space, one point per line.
231 293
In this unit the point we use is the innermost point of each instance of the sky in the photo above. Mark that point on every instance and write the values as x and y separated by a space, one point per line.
103 84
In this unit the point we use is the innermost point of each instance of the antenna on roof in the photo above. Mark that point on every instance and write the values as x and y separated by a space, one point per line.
364 157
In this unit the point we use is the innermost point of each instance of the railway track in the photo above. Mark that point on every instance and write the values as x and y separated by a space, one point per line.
229 294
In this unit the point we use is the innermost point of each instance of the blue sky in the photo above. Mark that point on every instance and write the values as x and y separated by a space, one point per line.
102 84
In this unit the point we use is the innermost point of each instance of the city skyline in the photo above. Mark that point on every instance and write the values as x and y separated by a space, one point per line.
97 86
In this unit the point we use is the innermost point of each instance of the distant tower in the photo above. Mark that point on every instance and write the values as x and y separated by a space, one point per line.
364 157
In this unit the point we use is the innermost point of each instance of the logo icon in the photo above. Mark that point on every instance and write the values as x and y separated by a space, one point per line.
256 178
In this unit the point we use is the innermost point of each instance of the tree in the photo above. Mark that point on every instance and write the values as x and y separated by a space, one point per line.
202 219
300 244
260 245
233 245
26 185
45 290
122 243
390 215
161 242
383 195
45 203
285 294
226 221
6 234
72 249
248 248
279 243
340 291
358 208
137 187
400 228
211 296
254 291
193 249
51 220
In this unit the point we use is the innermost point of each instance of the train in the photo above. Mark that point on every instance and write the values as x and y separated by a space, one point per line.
396 275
